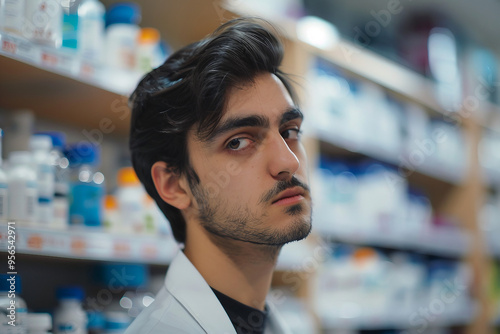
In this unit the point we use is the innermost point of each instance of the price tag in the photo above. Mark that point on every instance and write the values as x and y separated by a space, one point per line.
149 251
78 246
48 59
9 46
62 61
87 70
121 248
19 47
34 241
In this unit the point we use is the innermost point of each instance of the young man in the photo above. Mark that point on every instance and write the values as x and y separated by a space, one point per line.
215 139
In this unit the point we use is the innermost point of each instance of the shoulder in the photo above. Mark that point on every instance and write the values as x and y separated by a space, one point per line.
164 315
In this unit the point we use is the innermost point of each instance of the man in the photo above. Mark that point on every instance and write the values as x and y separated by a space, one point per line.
215 139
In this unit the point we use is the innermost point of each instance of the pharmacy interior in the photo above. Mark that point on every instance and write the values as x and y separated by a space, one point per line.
402 131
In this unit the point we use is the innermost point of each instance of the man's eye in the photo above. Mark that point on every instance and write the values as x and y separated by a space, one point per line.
238 144
291 134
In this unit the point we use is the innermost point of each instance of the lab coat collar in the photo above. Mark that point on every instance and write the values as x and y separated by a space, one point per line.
187 285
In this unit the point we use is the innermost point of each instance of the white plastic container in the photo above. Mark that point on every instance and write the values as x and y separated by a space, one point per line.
43 22
148 45
129 197
12 303
39 323
22 188
91 30
121 43
61 180
41 146
69 317
12 16
3 187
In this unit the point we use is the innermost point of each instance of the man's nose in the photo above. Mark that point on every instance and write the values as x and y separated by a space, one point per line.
283 163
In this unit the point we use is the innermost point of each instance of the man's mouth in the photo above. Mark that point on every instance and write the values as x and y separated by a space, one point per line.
289 196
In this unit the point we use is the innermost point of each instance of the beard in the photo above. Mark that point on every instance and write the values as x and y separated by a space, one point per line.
239 222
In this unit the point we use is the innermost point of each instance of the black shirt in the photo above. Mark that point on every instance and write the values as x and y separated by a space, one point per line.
245 319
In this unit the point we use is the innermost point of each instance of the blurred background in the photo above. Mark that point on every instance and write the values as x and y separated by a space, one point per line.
402 130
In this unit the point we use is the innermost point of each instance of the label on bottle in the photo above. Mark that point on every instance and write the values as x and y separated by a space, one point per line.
45 209
60 212
43 22
86 204
90 41
22 200
12 16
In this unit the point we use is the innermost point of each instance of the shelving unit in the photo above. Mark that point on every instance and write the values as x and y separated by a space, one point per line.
439 241
98 245
59 87
429 169
398 320
91 245
459 194
57 91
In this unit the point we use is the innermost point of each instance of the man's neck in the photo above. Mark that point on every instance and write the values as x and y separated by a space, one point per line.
240 270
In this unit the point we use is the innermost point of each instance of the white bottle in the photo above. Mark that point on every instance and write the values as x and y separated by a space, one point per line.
14 309
91 30
148 44
41 146
43 22
39 323
69 317
3 187
11 16
61 180
22 188
129 196
121 43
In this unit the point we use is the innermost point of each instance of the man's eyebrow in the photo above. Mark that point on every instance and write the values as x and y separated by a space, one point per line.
291 114
239 122
255 121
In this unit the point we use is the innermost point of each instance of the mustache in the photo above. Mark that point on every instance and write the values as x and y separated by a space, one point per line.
281 186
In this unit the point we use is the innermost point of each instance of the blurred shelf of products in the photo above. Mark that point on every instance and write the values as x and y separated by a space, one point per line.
402 130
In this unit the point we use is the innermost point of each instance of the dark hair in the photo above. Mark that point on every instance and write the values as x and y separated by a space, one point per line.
190 89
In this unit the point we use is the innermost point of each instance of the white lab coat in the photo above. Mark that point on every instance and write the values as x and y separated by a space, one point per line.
187 305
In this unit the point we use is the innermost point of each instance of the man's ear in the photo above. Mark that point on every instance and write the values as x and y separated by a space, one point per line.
170 186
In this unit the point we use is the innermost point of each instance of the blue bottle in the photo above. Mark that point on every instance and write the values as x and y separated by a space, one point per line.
86 185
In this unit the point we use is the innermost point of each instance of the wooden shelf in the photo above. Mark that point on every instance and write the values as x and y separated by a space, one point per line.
51 83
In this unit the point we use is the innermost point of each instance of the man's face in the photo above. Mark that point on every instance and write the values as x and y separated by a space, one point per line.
252 171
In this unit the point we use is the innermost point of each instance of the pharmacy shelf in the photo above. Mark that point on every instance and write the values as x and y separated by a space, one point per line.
431 169
439 241
98 245
369 65
90 245
58 85
357 60
67 63
396 319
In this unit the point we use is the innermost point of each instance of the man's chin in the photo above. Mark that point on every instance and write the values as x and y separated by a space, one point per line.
299 230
